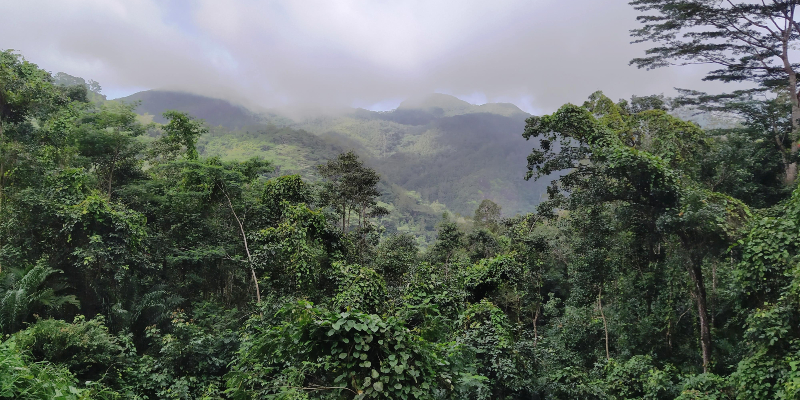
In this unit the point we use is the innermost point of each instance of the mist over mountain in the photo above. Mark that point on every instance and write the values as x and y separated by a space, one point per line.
440 148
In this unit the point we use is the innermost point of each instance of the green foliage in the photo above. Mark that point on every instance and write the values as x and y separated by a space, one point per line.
359 288
324 354
768 274
24 291
745 165
395 257
85 348
26 90
481 244
639 171
706 387
505 361
22 379
770 251
489 274
107 139
639 378
296 254
290 189
180 136
487 215
756 49
186 360
350 187
429 285
448 245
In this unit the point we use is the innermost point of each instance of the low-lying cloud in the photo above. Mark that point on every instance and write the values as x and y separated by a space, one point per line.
268 53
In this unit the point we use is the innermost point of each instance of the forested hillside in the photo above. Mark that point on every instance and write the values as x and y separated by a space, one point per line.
164 259
441 148
445 149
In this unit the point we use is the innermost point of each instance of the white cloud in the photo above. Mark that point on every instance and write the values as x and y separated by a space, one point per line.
538 54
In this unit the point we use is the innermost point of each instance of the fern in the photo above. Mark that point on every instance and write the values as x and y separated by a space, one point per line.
23 291
151 308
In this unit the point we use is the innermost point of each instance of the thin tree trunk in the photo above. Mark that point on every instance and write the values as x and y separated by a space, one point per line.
605 323
346 219
669 337
696 272
2 164
111 172
2 171
791 168
535 329
713 291
246 248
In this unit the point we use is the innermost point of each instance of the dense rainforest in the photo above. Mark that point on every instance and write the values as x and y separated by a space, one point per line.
664 262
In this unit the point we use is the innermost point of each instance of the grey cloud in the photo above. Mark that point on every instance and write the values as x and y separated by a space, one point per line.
342 52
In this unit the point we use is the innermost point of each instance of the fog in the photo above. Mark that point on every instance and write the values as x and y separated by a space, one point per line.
334 53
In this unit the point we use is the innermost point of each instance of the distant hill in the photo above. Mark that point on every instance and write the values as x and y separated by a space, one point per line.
215 112
442 105
434 153
445 149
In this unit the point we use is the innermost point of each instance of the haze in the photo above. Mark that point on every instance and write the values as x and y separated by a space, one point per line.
372 54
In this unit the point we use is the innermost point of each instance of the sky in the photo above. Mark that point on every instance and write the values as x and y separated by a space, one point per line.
537 54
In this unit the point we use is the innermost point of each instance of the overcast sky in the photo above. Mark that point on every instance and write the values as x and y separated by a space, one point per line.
537 54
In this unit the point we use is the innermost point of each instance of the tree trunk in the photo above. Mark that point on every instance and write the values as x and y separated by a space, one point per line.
2 171
2 163
696 273
605 323
246 248
111 172
790 173
535 329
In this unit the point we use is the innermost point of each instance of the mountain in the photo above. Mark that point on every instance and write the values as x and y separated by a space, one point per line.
435 153
442 105
215 112
445 149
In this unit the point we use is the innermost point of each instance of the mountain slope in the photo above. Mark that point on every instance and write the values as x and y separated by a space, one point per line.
436 149
442 105
444 149
215 112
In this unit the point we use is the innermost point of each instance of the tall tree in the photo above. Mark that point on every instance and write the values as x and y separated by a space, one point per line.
751 41
26 93
487 215
180 137
351 188
108 139
644 165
